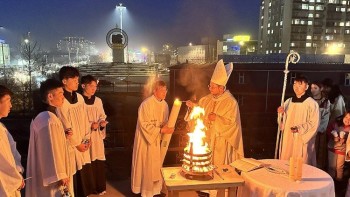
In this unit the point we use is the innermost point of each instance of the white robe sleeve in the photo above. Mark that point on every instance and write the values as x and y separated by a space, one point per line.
52 158
309 128
15 153
102 116
149 129
10 177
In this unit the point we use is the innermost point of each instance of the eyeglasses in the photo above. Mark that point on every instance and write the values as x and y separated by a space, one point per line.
210 86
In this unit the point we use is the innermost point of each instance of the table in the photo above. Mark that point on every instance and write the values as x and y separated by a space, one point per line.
228 180
262 182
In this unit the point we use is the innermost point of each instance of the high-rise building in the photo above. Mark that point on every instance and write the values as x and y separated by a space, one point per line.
4 53
306 26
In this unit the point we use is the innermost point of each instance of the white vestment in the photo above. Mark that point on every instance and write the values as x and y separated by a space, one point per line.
225 133
48 159
337 108
96 113
305 116
146 162
74 116
10 165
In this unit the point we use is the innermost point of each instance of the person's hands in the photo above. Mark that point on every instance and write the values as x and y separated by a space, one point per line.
22 185
280 109
103 123
190 104
84 146
68 133
212 116
166 130
65 182
94 126
294 129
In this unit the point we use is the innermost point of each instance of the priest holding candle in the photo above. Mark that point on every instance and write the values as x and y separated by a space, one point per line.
152 123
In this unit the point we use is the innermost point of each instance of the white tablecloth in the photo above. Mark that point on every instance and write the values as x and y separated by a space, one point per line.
261 182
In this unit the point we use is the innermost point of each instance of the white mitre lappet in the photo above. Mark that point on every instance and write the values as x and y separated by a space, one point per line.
221 73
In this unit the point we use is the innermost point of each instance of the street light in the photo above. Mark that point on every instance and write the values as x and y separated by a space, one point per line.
3 56
121 8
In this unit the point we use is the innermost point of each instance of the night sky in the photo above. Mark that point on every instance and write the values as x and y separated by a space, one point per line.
148 23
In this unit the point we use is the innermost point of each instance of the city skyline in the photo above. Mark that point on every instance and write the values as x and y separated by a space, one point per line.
148 24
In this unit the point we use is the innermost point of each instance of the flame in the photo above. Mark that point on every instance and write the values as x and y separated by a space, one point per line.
196 137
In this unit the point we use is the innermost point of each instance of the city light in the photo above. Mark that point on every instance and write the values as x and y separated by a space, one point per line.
335 48
190 44
120 9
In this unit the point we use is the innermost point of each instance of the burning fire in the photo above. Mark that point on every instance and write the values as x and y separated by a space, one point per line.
196 137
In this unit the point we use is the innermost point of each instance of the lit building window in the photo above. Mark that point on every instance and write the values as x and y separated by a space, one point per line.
343 2
304 6
309 23
271 31
308 37
342 9
280 45
311 15
308 44
276 24
329 37
347 23
281 23
275 44
268 24
279 51
296 21
319 7
270 4
292 44
347 31
317 15
311 1
341 24
267 52
268 31
311 7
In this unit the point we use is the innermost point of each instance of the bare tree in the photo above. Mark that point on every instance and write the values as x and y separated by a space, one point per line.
30 52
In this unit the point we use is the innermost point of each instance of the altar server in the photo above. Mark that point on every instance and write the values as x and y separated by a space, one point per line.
48 158
11 180
97 118
75 121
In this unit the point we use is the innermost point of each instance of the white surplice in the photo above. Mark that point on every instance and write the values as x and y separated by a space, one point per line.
305 116
146 162
96 113
74 116
10 165
48 159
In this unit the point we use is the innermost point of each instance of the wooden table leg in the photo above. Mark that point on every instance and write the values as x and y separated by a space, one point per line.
232 191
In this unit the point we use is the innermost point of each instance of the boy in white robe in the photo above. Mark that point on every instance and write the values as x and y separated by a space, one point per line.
300 123
222 119
11 180
74 119
48 158
97 118
146 159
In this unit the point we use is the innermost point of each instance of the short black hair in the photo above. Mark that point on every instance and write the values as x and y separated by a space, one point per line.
317 83
48 85
302 78
5 91
158 83
87 79
67 72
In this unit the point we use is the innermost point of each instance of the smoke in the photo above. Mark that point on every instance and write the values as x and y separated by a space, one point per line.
195 78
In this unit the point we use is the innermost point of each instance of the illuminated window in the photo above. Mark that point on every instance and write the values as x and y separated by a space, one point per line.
342 9
343 2
308 44
292 44
308 37
268 31
311 7
311 1
347 31
341 24
271 31
329 37
309 23
279 51
280 45
275 44
268 24
311 15
319 7
347 23
276 24
317 15
281 23
304 6
296 21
